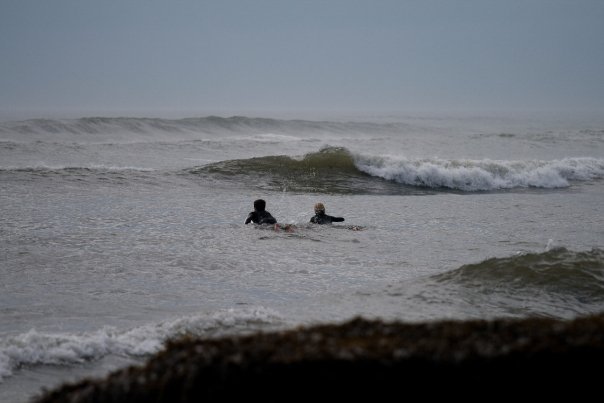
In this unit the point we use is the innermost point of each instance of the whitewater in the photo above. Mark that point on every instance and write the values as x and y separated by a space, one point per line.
117 234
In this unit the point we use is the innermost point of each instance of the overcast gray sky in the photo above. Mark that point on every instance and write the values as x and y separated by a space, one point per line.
227 56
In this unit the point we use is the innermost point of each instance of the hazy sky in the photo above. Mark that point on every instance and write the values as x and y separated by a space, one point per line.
198 57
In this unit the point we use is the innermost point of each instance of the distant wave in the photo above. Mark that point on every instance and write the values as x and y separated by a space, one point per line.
210 124
66 169
36 348
337 170
94 174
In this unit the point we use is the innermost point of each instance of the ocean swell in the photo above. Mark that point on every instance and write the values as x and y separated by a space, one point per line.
330 170
558 269
558 281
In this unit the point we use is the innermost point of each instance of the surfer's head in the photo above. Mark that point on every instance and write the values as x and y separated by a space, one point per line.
259 205
319 208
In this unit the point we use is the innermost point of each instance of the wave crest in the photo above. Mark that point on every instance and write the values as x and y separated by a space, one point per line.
482 175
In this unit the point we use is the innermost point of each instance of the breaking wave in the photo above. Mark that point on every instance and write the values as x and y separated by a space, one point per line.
483 175
337 170
36 348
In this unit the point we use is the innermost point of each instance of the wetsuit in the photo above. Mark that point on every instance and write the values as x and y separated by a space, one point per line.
322 218
260 217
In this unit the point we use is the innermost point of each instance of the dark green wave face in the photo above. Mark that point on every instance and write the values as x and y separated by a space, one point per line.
331 170
557 272
554 283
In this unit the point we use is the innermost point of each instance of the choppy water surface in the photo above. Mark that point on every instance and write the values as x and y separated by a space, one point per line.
117 234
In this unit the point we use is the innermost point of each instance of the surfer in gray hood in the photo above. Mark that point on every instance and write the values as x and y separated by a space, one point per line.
260 215
321 218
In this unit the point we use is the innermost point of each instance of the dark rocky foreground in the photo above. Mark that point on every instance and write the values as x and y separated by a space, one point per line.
368 361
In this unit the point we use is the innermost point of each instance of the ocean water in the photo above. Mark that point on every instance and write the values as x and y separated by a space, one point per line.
119 233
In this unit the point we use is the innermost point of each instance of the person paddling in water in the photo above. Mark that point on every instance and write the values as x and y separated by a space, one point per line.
260 215
321 218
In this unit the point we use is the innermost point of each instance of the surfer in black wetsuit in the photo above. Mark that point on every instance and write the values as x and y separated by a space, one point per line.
260 215
321 218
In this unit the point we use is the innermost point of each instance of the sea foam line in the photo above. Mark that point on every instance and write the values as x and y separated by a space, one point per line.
36 348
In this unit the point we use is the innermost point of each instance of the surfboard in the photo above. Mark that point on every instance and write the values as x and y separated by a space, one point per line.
284 227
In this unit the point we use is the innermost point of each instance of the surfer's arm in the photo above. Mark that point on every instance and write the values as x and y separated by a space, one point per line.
337 219
249 218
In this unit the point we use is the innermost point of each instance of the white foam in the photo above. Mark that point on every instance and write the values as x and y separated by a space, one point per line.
476 175
35 348
269 138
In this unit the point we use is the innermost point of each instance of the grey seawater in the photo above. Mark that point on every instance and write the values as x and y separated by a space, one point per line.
101 265
128 257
